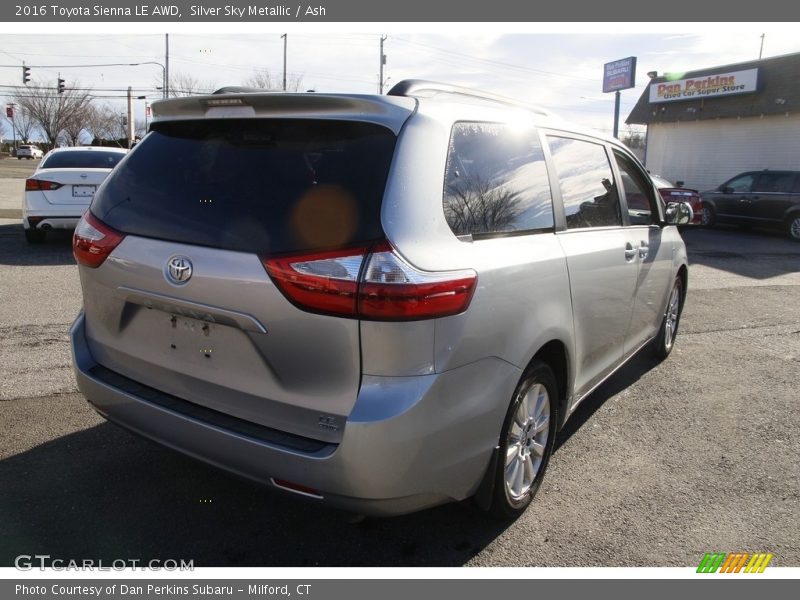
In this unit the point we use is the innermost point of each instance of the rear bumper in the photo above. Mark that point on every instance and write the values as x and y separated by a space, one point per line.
409 443
50 216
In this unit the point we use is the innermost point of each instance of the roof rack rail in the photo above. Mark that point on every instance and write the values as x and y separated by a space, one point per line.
415 87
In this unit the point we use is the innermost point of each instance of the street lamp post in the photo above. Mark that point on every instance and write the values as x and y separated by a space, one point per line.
163 74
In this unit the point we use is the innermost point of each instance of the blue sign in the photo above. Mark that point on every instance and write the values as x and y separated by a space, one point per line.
619 75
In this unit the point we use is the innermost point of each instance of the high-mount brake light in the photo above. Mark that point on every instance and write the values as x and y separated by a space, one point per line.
371 284
93 241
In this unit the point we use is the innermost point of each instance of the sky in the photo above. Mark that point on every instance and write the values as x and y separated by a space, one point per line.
560 71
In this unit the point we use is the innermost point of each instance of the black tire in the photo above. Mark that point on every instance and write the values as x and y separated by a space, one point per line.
35 236
793 227
708 217
19 158
668 330
508 503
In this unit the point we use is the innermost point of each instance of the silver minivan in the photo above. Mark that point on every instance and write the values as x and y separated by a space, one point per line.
383 303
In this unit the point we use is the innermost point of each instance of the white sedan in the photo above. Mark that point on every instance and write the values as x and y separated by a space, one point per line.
61 188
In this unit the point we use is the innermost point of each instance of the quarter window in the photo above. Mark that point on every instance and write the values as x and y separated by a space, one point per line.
588 190
496 181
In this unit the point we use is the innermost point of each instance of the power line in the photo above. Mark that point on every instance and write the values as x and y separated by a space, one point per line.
480 60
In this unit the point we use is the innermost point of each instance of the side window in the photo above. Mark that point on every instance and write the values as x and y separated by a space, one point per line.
587 184
774 182
496 181
740 184
638 192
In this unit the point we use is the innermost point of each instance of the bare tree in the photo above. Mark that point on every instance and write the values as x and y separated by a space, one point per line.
76 126
183 84
474 206
105 123
49 110
264 79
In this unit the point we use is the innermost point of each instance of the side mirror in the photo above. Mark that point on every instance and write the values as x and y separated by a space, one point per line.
725 189
678 213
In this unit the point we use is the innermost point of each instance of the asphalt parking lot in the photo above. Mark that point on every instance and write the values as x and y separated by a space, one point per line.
660 465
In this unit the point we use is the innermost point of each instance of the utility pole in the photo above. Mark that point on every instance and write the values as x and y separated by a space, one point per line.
166 68
762 46
131 127
382 61
284 61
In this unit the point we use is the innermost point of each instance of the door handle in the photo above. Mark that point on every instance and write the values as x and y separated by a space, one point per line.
644 250
630 252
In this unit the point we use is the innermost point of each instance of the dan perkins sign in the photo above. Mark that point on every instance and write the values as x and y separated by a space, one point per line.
722 84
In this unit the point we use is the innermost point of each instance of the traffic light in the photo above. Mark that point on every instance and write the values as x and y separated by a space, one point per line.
26 74
60 85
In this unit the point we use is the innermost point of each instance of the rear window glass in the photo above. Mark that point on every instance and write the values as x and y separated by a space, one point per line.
89 159
266 186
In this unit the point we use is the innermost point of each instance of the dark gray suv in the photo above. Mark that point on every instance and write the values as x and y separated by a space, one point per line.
380 302
769 199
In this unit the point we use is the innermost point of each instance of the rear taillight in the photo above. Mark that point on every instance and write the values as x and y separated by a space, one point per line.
393 290
374 285
93 241
40 185
325 282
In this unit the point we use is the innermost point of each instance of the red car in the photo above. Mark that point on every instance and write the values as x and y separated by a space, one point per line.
672 193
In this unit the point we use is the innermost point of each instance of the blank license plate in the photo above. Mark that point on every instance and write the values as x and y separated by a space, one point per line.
83 191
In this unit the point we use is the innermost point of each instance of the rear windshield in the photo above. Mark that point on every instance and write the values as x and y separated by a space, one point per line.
266 186
82 159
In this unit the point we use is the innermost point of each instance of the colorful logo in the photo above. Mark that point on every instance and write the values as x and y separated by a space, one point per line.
734 562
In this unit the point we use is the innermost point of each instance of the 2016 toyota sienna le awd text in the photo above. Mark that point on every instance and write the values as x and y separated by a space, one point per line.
380 302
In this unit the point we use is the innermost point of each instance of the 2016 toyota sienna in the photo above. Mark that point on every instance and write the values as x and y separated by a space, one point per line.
379 302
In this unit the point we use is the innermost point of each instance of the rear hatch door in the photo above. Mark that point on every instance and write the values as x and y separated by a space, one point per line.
211 199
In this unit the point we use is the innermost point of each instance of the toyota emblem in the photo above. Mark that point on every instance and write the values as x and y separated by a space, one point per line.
179 270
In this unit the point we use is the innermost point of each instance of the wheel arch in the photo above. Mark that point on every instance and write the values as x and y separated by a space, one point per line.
683 273
555 355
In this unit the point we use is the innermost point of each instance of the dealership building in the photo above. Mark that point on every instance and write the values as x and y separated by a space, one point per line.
706 126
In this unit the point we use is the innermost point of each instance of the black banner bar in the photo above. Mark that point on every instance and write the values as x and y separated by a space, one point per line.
337 11
397 589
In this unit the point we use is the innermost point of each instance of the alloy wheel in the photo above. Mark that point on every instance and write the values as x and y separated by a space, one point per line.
527 441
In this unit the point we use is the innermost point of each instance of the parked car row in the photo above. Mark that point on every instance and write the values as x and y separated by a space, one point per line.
60 190
769 199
